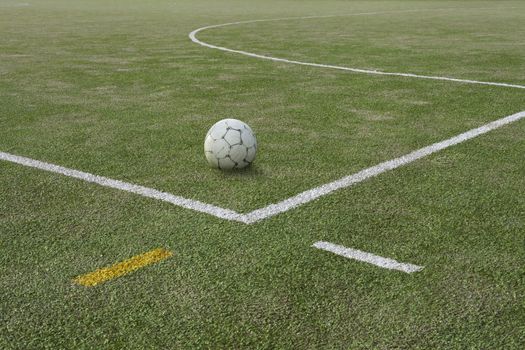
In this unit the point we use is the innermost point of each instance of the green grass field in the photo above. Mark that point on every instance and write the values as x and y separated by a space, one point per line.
117 89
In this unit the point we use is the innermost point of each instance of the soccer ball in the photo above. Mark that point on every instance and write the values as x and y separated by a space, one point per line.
230 144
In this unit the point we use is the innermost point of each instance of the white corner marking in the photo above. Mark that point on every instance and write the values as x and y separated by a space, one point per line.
272 209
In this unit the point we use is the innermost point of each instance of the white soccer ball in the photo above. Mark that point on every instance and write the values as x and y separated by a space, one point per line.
230 144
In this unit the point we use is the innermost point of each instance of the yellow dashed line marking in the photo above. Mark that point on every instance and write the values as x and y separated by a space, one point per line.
122 268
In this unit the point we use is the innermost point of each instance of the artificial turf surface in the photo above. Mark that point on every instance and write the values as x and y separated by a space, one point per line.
117 89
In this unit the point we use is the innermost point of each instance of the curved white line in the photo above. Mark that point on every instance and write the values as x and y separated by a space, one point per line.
193 37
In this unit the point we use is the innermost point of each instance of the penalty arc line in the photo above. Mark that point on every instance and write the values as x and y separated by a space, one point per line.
370 258
272 209
193 37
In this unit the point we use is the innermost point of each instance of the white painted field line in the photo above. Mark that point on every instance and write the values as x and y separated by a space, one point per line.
128 187
272 209
193 37
314 193
359 255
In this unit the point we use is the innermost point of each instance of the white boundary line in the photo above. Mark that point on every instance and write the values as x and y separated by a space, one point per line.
272 209
124 186
359 255
314 193
193 37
